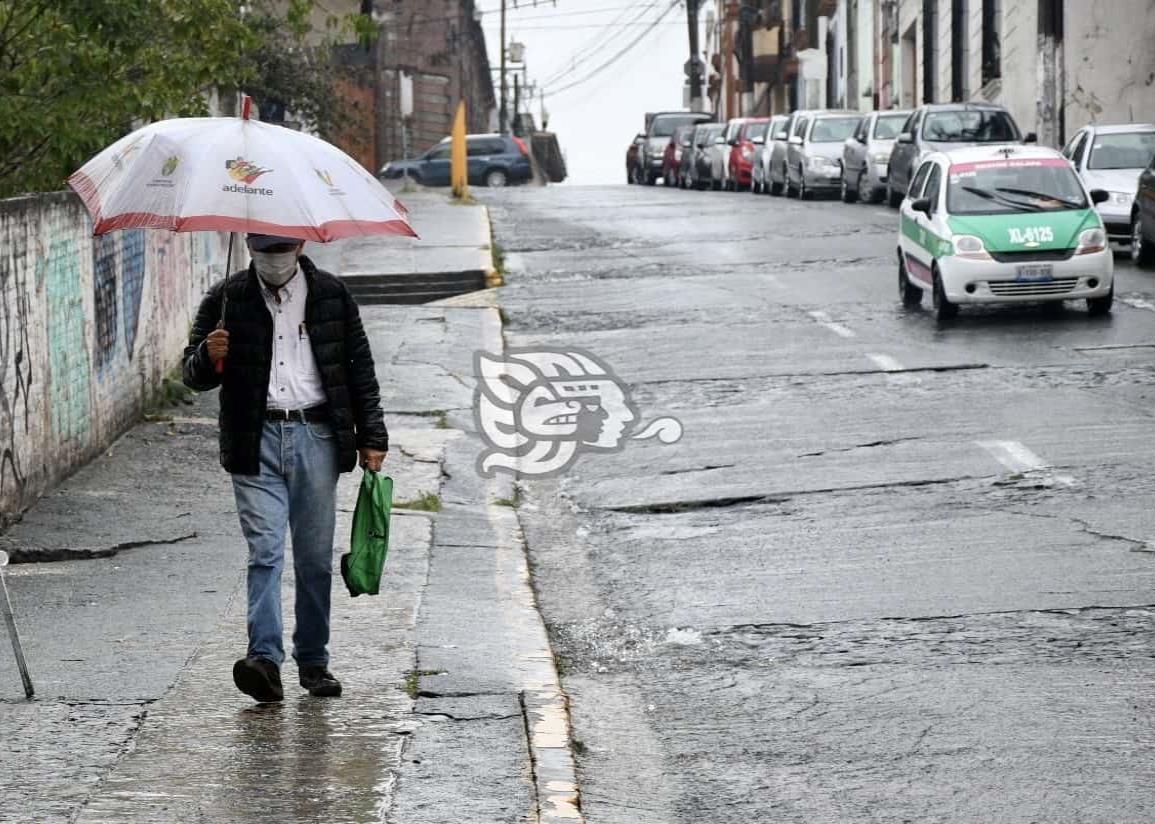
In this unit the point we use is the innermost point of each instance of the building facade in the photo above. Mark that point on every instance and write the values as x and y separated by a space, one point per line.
404 88
1055 64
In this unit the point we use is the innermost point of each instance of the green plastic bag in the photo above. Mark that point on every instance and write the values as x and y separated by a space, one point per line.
369 544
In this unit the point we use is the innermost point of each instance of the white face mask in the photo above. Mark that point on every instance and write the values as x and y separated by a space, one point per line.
275 268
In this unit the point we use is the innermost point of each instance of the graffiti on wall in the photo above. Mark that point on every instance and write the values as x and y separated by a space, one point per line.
131 283
67 348
88 328
104 299
16 374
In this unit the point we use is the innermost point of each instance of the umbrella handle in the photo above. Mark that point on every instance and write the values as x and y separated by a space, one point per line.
220 365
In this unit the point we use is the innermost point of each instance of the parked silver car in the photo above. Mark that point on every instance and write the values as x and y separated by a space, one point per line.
941 127
814 152
718 150
866 153
697 171
762 153
1112 158
775 172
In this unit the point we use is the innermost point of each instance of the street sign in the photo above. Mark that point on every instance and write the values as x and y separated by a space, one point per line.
690 65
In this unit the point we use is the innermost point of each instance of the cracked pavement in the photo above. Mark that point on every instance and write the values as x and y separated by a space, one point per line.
893 571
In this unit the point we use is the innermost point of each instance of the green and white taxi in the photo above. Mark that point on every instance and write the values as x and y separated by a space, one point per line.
1005 224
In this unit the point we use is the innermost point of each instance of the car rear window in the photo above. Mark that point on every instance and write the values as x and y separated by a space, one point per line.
889 126
1125 150
969 126
753 130
833 129
1013 186
486 146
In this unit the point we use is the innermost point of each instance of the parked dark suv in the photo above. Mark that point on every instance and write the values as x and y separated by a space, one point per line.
494 160
940 127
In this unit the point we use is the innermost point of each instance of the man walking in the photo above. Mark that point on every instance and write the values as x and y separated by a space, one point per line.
299 401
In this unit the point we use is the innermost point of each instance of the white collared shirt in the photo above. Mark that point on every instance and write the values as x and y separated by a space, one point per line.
294 382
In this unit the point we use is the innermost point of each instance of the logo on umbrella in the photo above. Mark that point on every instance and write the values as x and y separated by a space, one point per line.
325 176
244 170
170 165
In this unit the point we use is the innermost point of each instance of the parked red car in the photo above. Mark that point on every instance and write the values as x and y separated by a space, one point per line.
672 159
741 164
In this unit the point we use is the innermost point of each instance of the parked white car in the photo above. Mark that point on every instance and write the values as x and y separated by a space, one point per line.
1112 158
1007 224
866 154
775 172
775 130
814 153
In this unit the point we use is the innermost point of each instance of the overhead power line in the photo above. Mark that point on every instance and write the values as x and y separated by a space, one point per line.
620 54
599 45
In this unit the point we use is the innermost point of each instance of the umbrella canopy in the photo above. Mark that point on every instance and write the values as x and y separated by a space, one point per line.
234 174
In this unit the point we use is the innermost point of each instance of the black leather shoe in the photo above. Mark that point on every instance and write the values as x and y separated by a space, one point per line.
258 678
319 681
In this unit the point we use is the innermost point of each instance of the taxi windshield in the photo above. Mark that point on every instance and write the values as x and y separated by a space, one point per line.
1002 187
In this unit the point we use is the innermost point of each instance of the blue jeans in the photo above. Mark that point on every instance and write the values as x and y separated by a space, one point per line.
297 489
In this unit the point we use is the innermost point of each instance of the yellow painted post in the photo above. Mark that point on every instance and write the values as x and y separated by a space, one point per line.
459 164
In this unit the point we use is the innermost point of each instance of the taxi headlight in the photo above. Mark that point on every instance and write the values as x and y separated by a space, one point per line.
1091 240
881 157
969 246
821 163
1122 198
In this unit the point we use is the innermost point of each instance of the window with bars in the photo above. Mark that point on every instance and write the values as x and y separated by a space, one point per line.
992 40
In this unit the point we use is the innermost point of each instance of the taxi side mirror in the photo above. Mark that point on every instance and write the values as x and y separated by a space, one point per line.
921 205
906 137
1100 196
1031 138
795 140
759 139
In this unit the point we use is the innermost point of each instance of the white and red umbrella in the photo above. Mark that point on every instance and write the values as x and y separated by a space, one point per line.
235 174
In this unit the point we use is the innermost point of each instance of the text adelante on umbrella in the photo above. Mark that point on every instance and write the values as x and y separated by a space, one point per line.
245 172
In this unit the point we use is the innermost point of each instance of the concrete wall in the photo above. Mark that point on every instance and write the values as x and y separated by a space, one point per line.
1109 50
88 328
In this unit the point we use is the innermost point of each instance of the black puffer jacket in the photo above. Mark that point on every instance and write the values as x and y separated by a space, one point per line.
340 346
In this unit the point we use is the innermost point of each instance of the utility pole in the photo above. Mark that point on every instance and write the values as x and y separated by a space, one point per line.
503 114
694 66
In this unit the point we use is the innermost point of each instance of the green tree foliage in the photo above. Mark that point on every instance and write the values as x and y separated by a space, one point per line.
75 75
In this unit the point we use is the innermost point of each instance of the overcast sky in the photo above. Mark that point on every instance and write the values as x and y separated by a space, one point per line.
564 42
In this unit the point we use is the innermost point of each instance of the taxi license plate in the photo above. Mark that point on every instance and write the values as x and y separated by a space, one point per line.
1034 272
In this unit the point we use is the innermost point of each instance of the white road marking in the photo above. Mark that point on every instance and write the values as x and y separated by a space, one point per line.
1139 303
885 362
836 328
1018 459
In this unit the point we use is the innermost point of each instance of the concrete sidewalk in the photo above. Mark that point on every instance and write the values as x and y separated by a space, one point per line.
452 709
452 256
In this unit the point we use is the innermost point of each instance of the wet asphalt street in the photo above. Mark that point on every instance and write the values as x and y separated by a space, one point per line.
894 571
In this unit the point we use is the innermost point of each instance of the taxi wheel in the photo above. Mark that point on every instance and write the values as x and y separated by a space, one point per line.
943 308
910 294
1142 252
1101 306
803 193
893 198
775 189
